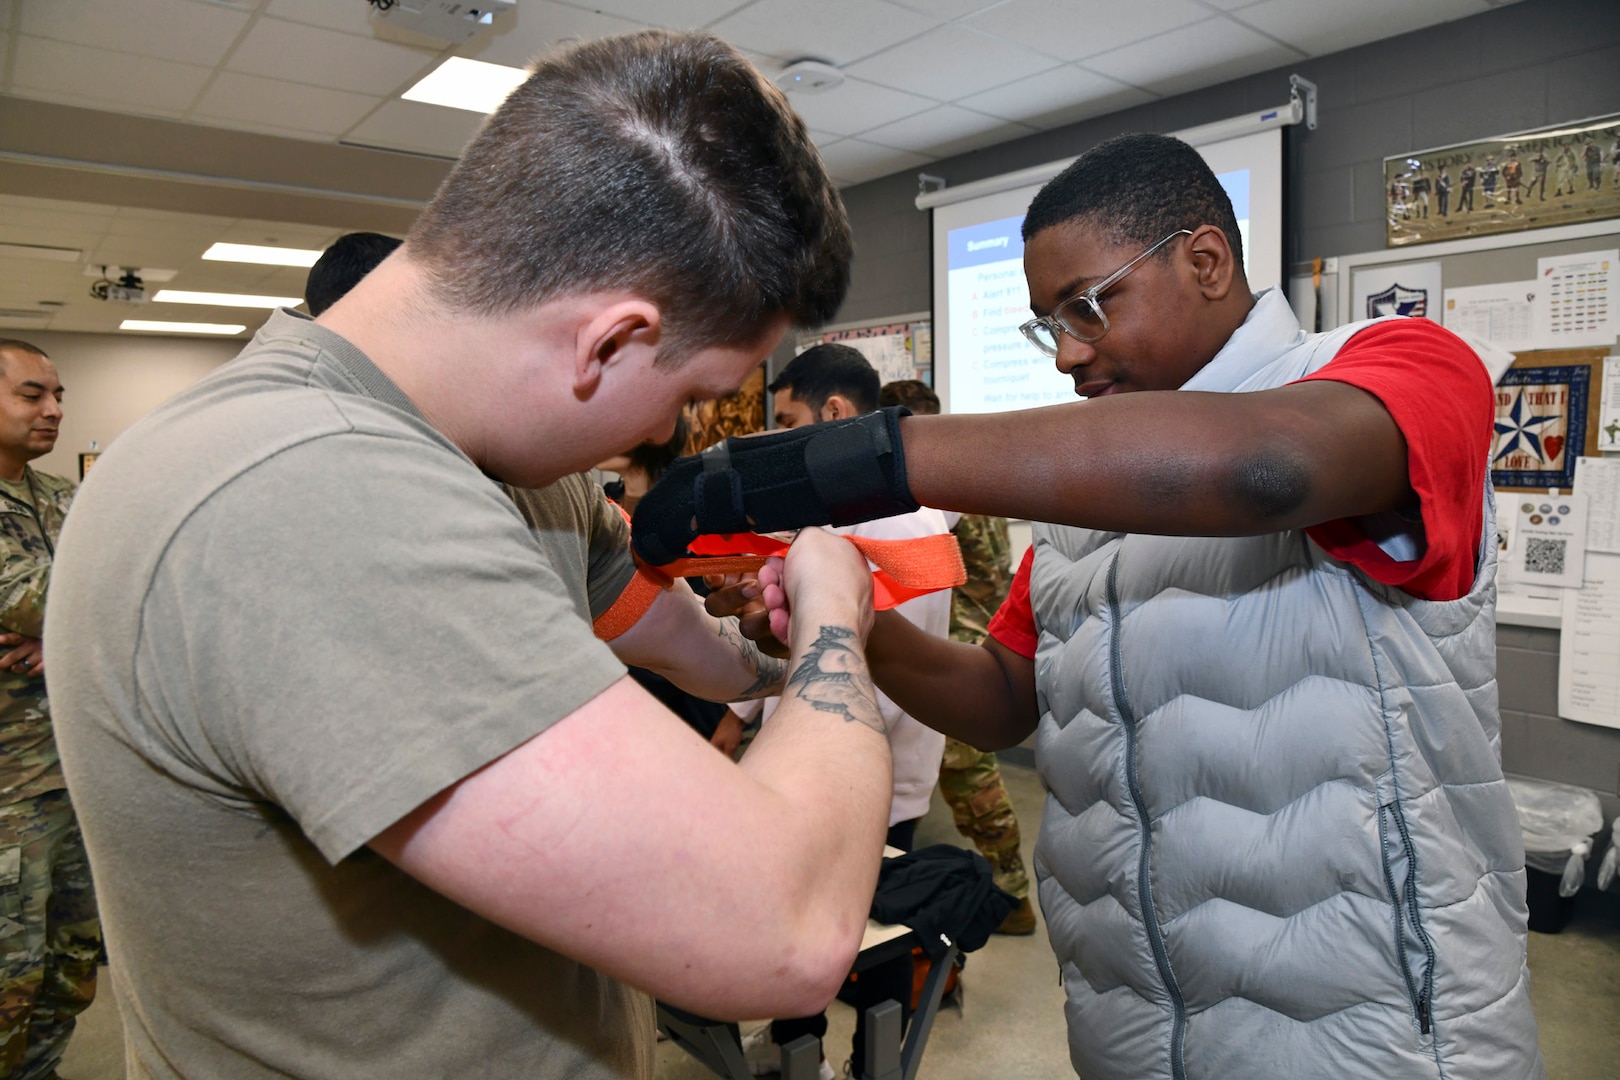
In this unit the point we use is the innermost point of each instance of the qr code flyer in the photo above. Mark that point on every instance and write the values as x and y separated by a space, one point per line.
1549 541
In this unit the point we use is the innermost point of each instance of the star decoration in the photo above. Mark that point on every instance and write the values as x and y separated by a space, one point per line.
1519 428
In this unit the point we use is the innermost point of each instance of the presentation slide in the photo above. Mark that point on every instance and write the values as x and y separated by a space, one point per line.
993 367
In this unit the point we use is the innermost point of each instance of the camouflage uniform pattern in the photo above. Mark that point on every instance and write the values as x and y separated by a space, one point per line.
969 778
50 936
28 762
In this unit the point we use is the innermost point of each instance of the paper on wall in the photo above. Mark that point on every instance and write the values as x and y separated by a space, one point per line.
1503 314
1608 420
1598 480
1575 299
1589 646
1549 541
889 353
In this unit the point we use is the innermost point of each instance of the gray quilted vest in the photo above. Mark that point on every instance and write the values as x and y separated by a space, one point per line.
1277 840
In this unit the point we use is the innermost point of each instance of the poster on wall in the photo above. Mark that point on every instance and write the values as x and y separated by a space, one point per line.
1544 405
1554 176
899 350
1403 289
1577 299
742 413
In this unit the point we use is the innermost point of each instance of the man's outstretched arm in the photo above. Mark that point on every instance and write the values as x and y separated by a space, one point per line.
1174 463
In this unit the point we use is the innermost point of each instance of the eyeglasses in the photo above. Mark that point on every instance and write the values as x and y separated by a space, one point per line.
1080 316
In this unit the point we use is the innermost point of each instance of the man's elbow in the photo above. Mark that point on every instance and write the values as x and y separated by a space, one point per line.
810 978
1271 486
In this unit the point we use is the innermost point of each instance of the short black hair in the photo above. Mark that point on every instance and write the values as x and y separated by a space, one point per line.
653 458
351 257
914 394
824 370
23 346
1137 188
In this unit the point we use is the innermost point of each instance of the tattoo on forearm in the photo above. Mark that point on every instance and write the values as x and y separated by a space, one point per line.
768 670
832 677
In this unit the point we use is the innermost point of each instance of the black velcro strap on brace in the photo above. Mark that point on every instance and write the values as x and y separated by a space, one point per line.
847 473
717 493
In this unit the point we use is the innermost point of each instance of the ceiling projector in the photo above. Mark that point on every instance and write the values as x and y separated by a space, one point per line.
444 20
128 289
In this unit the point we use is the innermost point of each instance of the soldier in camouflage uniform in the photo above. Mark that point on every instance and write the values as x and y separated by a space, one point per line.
50 936
970 778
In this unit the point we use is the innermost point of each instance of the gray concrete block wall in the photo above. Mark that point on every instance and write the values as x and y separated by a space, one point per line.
1531 64
1527 65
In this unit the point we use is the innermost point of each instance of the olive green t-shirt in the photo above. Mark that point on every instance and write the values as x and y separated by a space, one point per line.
285 612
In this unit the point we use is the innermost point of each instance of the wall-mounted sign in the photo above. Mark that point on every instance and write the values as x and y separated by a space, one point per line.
1556 176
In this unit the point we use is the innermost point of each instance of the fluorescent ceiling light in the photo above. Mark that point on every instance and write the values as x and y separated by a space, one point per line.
180 327
224 299
264 256
474 85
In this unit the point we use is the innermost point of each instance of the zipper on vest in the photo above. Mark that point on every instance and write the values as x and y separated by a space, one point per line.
1144 882
1420 994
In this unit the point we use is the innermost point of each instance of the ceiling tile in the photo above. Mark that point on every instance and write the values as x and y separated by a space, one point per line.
851 161
1064 29
29 202
673 14
277 234
1057 97
63 216
319 57
350 18
169 29
116 80
537 28
947 9
789 29
282 106
26 232
1319 28
945 132
951 62
411 125
856 106
1204 54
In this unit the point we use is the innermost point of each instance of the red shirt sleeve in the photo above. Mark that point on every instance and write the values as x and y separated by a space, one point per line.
1013 624
1438 393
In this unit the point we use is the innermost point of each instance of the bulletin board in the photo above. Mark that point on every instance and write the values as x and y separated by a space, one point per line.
900 347
1547 407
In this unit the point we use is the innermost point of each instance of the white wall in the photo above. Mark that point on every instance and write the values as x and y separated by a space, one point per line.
110 381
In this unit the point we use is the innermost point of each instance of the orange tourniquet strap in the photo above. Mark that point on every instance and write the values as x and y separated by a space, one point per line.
905 569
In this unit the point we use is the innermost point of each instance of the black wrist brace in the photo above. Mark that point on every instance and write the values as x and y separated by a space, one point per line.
836 473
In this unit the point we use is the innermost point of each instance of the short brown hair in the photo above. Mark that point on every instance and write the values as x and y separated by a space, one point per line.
914 394
659 163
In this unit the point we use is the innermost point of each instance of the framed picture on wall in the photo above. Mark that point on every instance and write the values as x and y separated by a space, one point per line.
1554 176
1546 417
85 461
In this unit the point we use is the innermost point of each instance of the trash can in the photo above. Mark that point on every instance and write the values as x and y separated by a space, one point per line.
1609 868
1559 822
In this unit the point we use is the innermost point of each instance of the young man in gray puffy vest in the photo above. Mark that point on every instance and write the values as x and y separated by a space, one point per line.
1255 643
